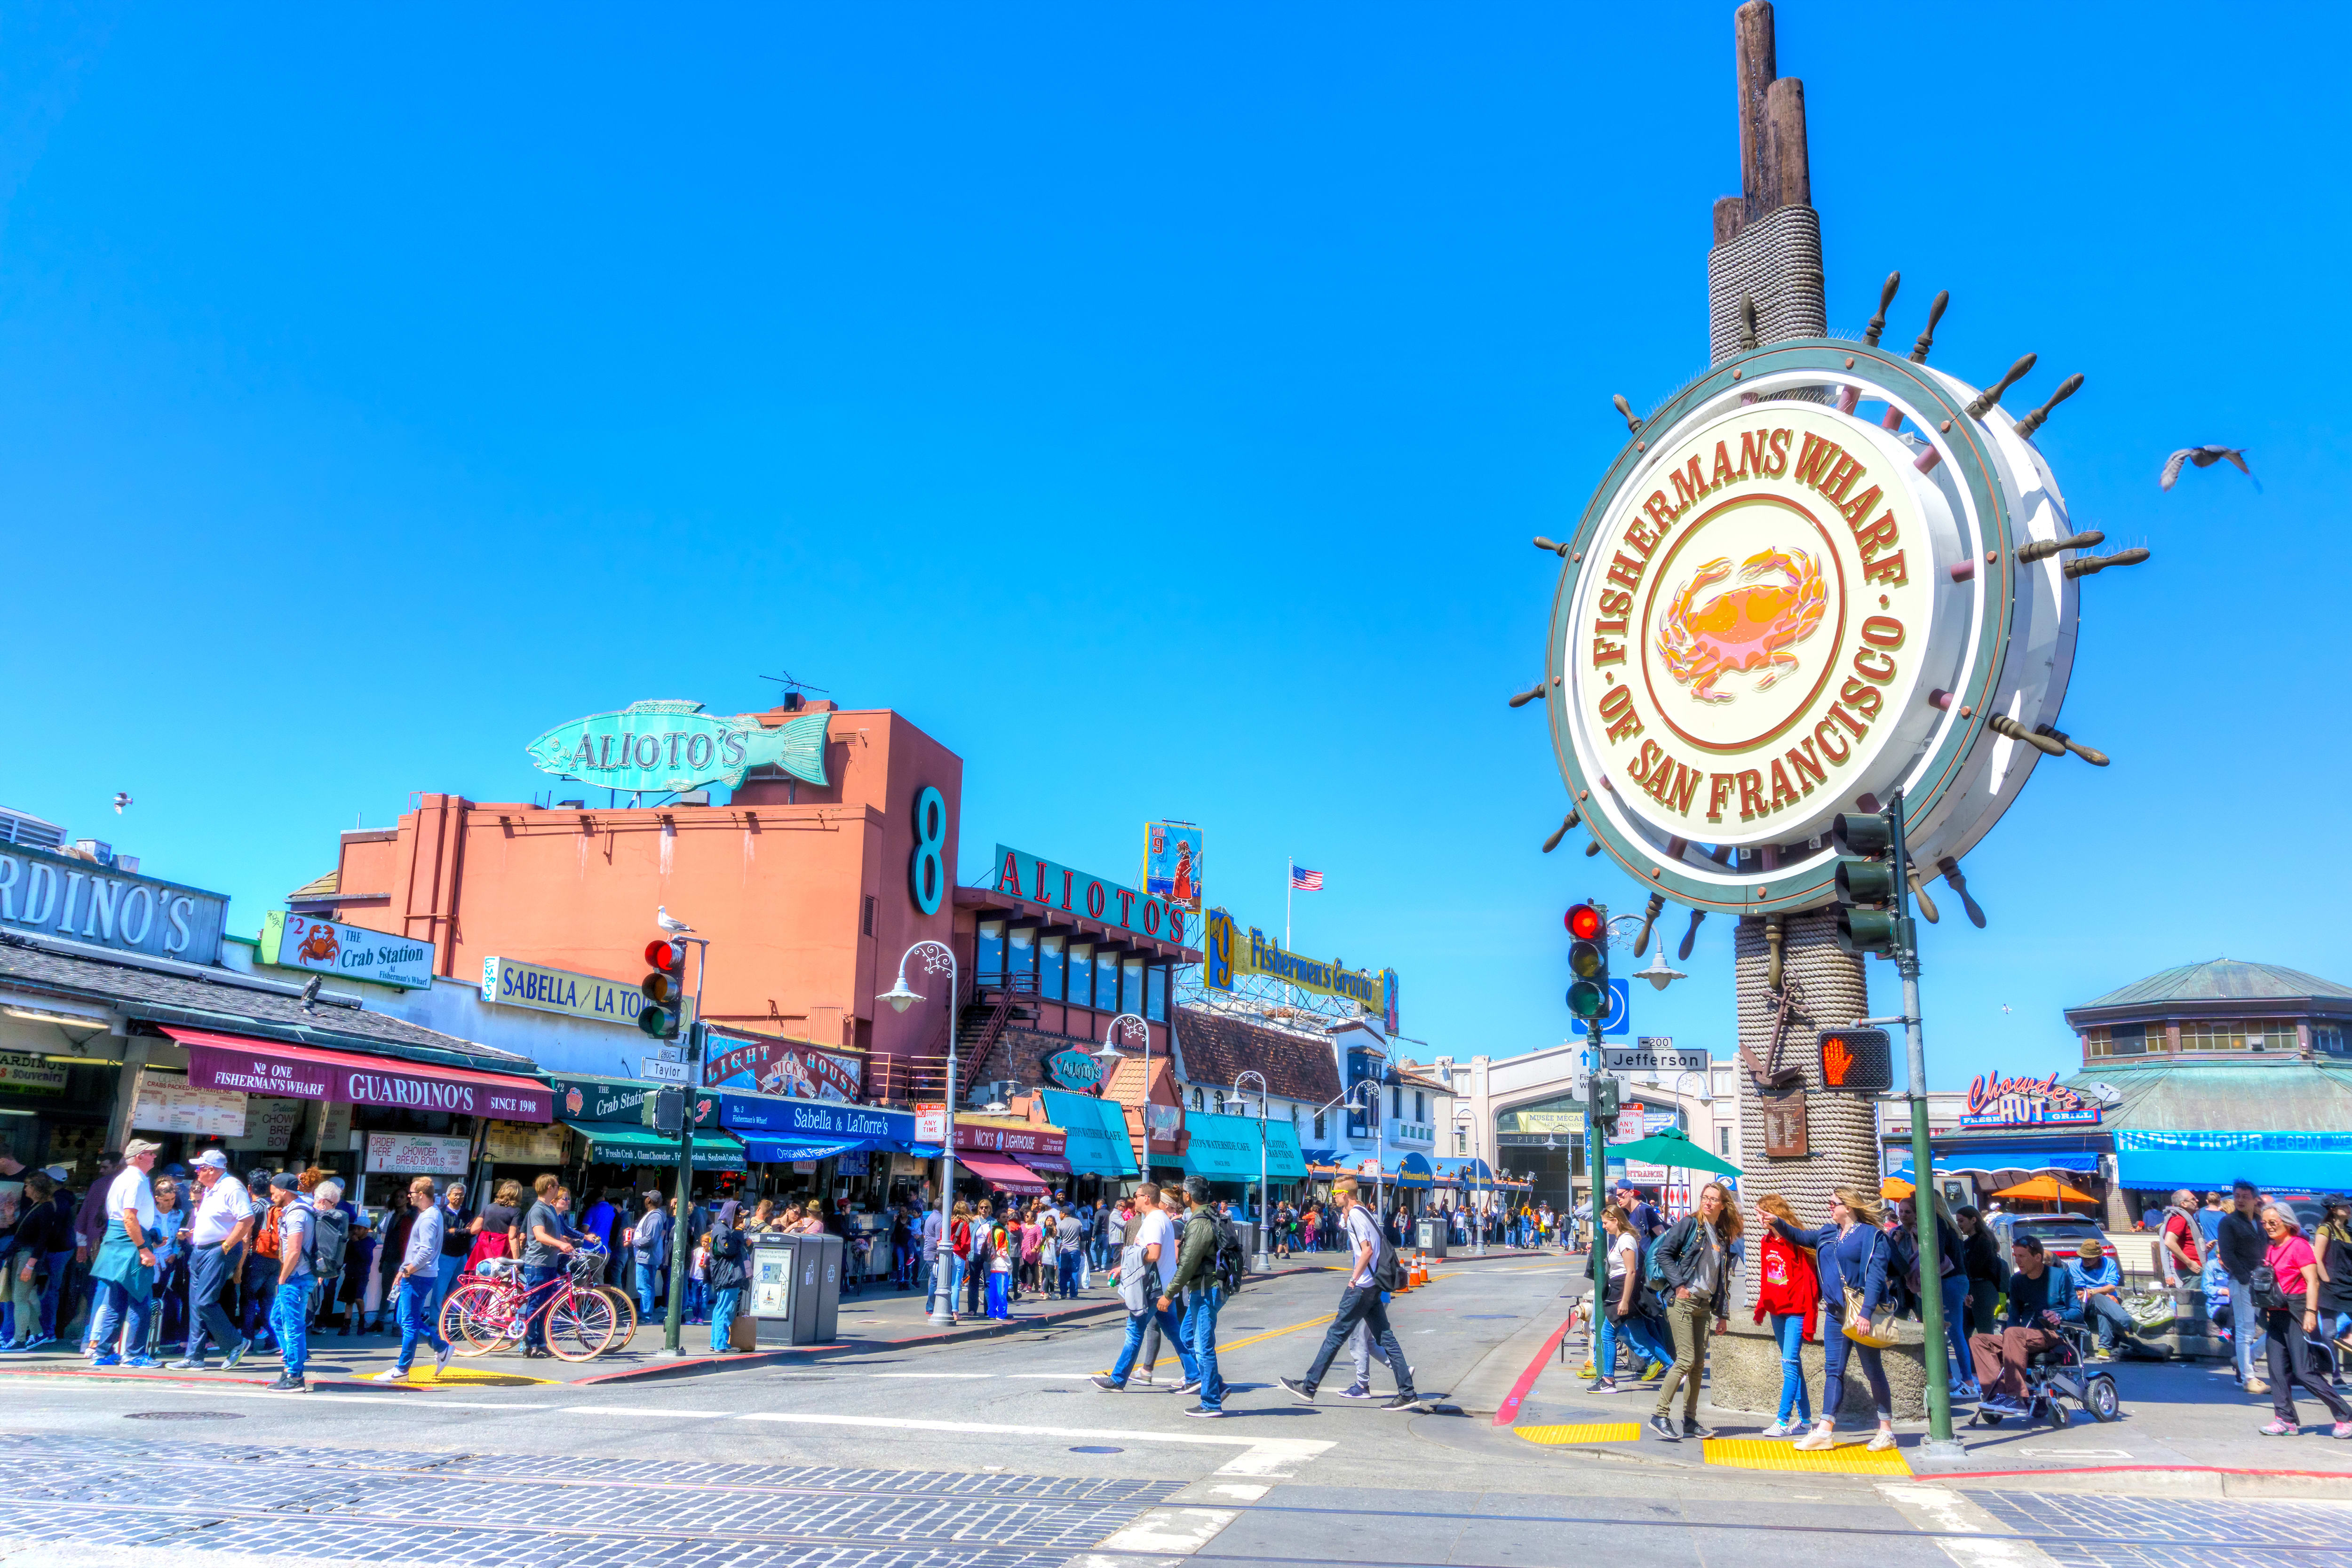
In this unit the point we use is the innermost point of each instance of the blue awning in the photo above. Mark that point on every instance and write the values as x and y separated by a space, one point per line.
781 1151
1465 1170
1414 1174
1227 1148
2275 1161
1990 1157
1096 1140
1321 1156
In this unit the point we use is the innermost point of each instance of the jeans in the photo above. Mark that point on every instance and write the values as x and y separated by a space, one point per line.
1069 1265
535 1279
1360 1303
648 1276
208 1268
2246 1327
1835 1349
724 1304
1200 1338
260 1284
1362 1349
1956 1330
2106 1315
56 1265
416 1318
1169 1328
290 1319
450 1268
117 1314
1690 1318
1635 1329
1789 1329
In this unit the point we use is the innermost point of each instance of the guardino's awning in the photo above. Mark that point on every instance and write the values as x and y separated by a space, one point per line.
244 1064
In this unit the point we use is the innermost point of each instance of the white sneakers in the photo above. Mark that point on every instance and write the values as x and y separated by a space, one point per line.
391 1374
1884 1440
1816 1440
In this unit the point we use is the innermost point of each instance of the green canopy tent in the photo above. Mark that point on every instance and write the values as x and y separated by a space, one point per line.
1673 1149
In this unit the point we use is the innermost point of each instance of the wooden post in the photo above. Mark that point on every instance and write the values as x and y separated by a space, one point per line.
1759 180
1784 110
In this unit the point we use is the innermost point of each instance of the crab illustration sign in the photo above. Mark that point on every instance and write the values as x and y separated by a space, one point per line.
1779 608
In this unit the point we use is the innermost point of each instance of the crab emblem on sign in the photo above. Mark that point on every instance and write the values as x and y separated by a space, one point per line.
1742 629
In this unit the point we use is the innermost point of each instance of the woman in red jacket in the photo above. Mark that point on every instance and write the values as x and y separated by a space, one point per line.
1789 1289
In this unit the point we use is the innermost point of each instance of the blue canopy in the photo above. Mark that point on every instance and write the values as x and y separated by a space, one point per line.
1990 1157
1414 1174
781 1151
2282 1161
1096 1139
1465 1170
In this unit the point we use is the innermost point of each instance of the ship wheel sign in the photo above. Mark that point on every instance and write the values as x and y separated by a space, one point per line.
1821 572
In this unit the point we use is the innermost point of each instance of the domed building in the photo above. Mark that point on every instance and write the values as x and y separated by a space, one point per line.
2218 1071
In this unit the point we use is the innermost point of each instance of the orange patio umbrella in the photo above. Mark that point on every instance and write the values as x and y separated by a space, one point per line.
2048 1188
1895 1188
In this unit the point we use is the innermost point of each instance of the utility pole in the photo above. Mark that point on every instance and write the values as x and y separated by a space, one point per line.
1596 1303
673 1330
1941 1441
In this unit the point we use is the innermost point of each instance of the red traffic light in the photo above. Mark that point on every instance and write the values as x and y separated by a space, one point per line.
1583 921
661 956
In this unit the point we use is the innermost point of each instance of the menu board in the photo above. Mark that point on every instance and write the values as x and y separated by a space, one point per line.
166 1104
413 1153
520 1142
269 1124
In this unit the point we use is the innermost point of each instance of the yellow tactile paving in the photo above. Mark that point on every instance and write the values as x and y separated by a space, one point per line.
471 1377
1852 1459
1587 1432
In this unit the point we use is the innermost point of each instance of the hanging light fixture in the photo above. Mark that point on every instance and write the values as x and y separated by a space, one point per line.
1660 973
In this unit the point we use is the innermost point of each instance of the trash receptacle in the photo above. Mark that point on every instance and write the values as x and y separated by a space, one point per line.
818 1311
775 1287
1432 1236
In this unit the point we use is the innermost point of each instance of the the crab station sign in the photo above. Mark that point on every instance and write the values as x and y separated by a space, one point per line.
1758 624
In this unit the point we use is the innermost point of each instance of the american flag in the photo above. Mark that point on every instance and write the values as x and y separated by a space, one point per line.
1306 881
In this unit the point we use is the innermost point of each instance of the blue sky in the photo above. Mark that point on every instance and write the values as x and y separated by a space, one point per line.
1154 407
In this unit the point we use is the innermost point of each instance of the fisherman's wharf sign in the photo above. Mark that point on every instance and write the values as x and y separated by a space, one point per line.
1758 626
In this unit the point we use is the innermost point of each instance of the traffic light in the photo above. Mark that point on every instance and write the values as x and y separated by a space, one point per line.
1605 1102
1588 960
1866 883
1857 1061
664 990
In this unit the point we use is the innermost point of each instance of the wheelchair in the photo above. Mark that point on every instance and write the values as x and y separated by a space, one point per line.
2061 1376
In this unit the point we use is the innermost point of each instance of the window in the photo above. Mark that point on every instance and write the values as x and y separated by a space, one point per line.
1082 974
1131 989
1723 1142
1319 1127
1221 1102
987 959
2272 1034
1196 1100
1155 994
1462 1141
2328 1038
1420 1106
1049 966
865 920
1396 1103
1107 980
1022 954
2215 1034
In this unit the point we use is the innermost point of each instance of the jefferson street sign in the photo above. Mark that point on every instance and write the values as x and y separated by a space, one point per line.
1660 1056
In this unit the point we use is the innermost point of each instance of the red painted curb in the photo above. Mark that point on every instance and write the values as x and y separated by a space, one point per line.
2129 1469
1508 1411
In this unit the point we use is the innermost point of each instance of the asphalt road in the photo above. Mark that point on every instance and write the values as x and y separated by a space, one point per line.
991 1453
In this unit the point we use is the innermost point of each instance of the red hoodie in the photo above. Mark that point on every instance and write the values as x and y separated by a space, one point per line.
1788 1282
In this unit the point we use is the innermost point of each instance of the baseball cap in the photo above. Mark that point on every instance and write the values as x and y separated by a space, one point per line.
58 1173
213 1157
138 1146
286 1180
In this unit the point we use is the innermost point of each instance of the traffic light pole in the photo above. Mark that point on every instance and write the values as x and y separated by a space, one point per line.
1941 1441
1595 1166
673 1330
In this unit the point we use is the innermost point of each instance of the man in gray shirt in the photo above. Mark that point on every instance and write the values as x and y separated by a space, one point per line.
419 1276
289 1309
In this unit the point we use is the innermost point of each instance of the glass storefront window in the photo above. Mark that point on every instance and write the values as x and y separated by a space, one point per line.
1021 957
1082 974
1107 980
1049 966
1131 971
1155 995
987 961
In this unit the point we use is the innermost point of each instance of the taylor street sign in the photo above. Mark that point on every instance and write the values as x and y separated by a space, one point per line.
660 1071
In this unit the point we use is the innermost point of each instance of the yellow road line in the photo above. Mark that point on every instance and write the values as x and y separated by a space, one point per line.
1763 1454
1223 1349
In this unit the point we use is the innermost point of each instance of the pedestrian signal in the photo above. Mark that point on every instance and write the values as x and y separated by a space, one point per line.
664 990
1857 1061
669 1111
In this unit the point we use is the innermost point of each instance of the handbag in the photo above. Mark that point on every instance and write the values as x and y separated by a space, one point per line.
1877 1333
2264 1286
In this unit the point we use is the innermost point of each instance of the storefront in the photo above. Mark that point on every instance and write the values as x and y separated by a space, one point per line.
859 1159
616 1154
1095 1142
1229 1151
1026 1159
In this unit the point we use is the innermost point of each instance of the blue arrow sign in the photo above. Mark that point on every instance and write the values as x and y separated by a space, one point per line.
1620 1008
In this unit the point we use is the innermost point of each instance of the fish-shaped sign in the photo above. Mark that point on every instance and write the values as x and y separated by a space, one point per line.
669 746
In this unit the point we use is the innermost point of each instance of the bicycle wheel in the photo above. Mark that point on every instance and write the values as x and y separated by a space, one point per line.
479 1317
579 1325
624 1313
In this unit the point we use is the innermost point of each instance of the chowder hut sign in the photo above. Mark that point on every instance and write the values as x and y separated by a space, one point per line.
1996 1101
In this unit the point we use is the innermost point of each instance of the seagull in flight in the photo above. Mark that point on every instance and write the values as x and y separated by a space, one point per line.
2204 457
669 923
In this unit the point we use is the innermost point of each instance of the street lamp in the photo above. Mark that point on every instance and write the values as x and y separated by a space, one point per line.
1706 1097
1110 1053
935 956
1263 1262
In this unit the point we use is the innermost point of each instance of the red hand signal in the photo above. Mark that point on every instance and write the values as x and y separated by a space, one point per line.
1836 1061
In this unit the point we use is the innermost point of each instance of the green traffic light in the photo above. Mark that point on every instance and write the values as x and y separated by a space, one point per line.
654 1021
1866 931
1865 881
1587 998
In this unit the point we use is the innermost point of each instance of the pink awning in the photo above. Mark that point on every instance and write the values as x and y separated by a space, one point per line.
242 1063
997 1170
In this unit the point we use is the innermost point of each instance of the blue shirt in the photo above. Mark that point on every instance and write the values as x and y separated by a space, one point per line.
2087 1276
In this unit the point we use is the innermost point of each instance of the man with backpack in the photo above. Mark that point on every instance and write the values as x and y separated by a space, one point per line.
1208 1268
1374 1271
1147 1274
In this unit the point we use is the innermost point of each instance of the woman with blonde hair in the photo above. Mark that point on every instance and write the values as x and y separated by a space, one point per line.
1852 1252
1696 1259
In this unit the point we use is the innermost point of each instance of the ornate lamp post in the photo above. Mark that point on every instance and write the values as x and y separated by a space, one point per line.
935 956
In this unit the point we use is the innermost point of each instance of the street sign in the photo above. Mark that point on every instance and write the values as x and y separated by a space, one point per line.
660 1071
932 1122
1620 1008
1646 1057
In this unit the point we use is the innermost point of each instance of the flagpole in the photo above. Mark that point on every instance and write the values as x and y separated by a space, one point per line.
1289 892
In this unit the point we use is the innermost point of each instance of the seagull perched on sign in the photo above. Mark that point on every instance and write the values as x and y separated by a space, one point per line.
669 923
2204 457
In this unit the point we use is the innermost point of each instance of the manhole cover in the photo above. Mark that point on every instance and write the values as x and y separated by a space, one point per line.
1098 1450
184 1415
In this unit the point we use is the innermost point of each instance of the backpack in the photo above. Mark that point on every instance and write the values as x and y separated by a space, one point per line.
1387 1272
1230 1260
265 1234
725 1270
